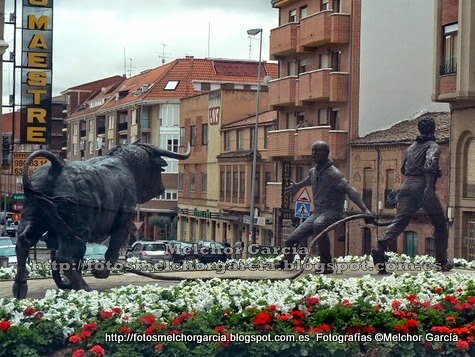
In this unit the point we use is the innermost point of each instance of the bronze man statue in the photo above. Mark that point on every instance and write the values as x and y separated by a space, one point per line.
421 170
329 190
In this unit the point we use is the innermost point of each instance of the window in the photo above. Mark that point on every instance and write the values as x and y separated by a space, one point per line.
334 119
251 137
293 15
367 187
171 85
325 5
204 181
192 182
323 116
222 182
291 68
266 134
299 174
470 170
227 140
258 186
303 11
172 145
430 246
145 117
390 176
323 60
290 121
410 243
302 66
235 183
336 7
145 137
180 181
240 139
204 134
242 185
182 136
193 135
336 61
228 185
449 48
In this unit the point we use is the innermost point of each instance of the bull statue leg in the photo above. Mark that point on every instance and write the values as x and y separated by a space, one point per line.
70 252
27 238
117 239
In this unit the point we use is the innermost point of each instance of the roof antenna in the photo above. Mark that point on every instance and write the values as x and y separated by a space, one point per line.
125 66
209 35
163 55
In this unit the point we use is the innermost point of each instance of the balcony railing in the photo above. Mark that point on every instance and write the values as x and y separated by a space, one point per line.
314 85
470 190
368 198
448 68
282 91
281 143
283 40
315 29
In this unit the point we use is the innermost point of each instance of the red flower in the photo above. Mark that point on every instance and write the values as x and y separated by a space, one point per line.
411 298
438 290
125 330
399 313
158 347
346 302
297 323
313 300
297 314
272 307
74 339
461 331
462 306
90 327
84 334
262 318
79 353
117 310
125 318
299 329
148 319
395 304
220 329
402 328
162 325
174 332
30 310
411 323
181 318
471 300
97 350
440 329
283 317
5 325
438 307
106 314
451 299
150 330
370 329
462 345
320 328
450 319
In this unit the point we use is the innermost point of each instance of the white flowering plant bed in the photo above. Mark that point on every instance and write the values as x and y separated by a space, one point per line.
424 304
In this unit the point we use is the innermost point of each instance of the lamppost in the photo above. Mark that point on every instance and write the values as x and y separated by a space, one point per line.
254 32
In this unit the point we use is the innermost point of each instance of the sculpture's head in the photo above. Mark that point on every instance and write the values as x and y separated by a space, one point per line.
426 125
320 151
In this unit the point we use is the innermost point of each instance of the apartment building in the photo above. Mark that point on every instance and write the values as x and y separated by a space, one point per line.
376 160
454 83
214 183
147 106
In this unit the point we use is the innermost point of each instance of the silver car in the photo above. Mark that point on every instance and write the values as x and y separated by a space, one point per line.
151 251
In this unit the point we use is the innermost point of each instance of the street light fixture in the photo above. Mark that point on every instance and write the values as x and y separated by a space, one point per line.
252 236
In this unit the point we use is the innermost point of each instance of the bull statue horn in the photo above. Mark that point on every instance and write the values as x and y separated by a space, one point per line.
174 155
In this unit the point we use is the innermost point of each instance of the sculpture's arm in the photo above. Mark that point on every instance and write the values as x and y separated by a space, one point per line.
295 187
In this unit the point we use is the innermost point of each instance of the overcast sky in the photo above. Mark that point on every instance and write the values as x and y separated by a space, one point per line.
89 36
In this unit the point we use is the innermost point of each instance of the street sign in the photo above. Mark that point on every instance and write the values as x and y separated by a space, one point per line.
20 196
19 159
302 209
304 196
138 224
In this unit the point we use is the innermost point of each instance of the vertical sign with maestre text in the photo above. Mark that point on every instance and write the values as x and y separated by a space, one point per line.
36 71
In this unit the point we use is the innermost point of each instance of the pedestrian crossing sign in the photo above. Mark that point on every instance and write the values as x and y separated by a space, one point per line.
302 209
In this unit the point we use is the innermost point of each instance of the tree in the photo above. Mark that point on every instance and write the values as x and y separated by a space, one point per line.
163 222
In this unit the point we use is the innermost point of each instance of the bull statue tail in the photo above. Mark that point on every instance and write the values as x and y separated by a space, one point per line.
56 165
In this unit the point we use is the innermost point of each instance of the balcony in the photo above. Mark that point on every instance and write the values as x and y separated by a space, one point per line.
323 28
282 92
339 86
82 133
274 194
122 126
336 139
283 40
281 143
314 85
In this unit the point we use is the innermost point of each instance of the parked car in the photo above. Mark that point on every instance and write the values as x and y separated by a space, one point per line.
11 227
5 241
183 251
150 251
95 251
8 252
211 251
4 218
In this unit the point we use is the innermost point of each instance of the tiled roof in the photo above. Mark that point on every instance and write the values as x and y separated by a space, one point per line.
264 117
406 131
98 84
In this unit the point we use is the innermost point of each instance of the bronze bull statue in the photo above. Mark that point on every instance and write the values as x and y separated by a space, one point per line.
69 204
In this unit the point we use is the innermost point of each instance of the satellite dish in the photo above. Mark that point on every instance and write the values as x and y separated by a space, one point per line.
266 80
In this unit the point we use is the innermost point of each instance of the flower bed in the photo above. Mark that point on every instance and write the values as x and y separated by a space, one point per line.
404 305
